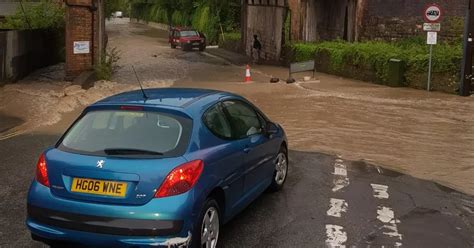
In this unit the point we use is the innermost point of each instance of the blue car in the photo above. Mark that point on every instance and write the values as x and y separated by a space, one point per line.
161 168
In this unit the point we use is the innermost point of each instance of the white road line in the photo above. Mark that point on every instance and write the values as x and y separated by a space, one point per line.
336 237
386 215
340 183
340 171
337 207
380 191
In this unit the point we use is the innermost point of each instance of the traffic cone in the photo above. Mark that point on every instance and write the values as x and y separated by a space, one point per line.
248 77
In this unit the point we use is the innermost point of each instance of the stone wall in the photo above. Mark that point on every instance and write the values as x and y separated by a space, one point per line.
395 19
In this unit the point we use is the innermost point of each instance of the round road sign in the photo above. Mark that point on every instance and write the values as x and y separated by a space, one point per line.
432 13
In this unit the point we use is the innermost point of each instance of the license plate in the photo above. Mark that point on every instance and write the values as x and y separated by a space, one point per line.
196 43
99 187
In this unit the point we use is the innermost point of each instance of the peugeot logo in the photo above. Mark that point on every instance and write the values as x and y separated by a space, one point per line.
100 164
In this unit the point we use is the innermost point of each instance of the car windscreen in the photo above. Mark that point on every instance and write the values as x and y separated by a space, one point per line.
188 33
128 133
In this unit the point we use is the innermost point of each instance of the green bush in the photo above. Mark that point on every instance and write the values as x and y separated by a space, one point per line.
108 64
376 55
231 41
42 15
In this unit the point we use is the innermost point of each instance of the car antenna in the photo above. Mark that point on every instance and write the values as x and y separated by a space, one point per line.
139 83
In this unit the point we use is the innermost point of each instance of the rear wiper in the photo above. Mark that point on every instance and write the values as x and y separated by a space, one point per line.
130 151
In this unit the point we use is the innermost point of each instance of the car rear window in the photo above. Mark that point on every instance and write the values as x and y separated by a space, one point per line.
128 133
189 33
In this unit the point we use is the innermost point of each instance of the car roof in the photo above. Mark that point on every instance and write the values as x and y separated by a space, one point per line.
184 29
166 97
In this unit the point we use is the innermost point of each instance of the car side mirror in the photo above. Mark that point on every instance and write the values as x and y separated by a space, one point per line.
271 128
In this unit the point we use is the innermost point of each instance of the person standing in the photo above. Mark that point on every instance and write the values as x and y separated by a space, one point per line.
256 48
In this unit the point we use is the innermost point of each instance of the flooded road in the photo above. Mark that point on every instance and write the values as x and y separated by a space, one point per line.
427 135
370 132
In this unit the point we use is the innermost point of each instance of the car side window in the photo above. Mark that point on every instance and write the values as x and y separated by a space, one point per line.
217 123
243 119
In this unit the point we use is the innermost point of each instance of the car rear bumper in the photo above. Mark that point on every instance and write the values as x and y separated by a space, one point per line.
192 45
160 222
104 225
47 234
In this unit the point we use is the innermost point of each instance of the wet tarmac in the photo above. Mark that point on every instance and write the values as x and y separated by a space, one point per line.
425 214
8 122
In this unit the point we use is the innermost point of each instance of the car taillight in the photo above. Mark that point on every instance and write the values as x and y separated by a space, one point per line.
42 171
181 179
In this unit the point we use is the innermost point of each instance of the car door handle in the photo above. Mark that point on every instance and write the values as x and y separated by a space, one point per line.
247 149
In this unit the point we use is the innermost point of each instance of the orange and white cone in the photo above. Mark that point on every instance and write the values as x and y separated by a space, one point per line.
248 77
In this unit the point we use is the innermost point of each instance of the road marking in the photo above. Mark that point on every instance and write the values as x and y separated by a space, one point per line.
386 215
380 191
336 236
340 171
340 183
11 135
337 207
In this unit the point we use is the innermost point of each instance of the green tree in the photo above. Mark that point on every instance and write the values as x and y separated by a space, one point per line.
111 6
42 15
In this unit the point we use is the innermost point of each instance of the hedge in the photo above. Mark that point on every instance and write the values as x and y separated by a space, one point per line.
375 56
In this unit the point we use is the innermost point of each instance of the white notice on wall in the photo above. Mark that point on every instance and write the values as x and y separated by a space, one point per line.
81 47
432 38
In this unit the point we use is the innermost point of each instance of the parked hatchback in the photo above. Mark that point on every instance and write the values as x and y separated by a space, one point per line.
187 39
166 170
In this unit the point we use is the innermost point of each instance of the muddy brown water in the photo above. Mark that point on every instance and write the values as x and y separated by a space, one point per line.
427 135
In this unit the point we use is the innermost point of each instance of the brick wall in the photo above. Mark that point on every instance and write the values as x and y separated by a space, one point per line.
84 22
394 19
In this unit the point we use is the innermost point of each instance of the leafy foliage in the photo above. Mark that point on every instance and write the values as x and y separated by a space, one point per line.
108 64
42 15
111 6
376 55
207 16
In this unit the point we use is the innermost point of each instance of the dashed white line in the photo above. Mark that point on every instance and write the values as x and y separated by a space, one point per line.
386 215
340 183
337 207
380 191
336 237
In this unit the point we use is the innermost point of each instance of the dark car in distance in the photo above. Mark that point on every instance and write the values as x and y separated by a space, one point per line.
187 39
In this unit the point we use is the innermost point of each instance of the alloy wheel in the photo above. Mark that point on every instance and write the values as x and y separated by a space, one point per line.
281 167
210 228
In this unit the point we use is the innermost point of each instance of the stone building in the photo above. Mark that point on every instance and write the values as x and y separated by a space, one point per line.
351 20
354 20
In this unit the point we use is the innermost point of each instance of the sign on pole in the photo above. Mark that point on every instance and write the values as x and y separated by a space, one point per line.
431 27
432 38
432 15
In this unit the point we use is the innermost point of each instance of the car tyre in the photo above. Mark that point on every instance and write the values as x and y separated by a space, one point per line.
202 48
281 170
173 46
206 230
